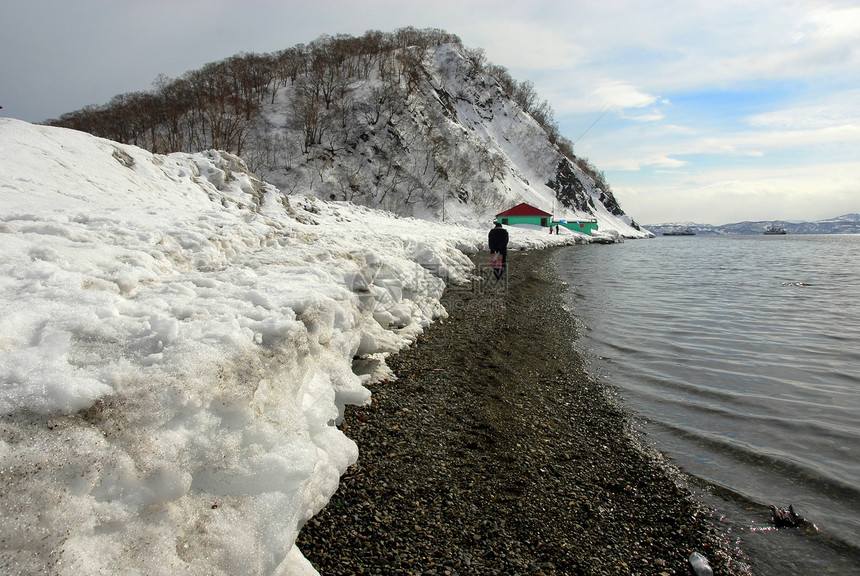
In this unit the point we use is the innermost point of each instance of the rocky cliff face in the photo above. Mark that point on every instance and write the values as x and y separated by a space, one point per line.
446 141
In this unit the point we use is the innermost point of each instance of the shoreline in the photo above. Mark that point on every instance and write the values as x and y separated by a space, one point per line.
493 452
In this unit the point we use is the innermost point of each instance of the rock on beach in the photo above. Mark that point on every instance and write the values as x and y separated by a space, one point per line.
494 452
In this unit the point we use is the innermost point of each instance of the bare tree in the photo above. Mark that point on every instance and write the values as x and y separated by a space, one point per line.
409 60
525 95
309 114
476 58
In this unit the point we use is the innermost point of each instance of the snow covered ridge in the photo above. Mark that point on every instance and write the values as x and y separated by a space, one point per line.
176 343
411 122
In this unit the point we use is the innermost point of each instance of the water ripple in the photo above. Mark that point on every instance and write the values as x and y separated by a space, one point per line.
742 356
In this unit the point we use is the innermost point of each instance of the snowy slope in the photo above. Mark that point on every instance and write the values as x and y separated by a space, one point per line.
455 148
176 344
412 122
490 120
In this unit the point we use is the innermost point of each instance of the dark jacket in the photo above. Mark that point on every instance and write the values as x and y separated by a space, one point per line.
498 239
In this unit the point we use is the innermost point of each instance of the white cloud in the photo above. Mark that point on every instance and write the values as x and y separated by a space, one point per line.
716 44
621 95
828 36
718 197
766 142
828 110
528 45
651 116
600 96
636 160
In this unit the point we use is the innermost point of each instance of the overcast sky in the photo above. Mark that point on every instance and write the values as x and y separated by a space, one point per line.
696 110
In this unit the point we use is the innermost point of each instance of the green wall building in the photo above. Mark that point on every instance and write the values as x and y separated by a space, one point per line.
527 214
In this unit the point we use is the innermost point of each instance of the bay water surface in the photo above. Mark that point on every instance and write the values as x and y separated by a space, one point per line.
739 356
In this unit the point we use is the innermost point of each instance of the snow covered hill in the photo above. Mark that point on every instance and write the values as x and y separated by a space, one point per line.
177 342
411 122
457 148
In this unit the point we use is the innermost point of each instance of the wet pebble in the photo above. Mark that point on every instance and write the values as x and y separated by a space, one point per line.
494 453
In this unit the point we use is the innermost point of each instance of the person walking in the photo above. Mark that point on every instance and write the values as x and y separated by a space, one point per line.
498 241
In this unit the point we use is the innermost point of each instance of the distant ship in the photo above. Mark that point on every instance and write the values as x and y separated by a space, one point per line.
679 232
774 230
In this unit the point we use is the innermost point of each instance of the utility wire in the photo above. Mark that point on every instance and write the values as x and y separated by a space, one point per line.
602 114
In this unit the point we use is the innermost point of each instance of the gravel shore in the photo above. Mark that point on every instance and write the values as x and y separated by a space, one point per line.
494 453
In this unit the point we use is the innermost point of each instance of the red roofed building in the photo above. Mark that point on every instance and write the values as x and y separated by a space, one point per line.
527 214
524 214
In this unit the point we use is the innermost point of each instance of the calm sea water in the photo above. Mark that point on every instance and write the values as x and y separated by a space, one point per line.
740 356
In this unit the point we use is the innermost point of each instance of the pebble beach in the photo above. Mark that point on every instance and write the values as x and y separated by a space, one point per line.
493 452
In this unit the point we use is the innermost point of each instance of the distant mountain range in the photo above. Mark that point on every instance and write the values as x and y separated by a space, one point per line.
845 224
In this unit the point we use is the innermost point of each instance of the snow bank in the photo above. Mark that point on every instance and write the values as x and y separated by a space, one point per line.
177 343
